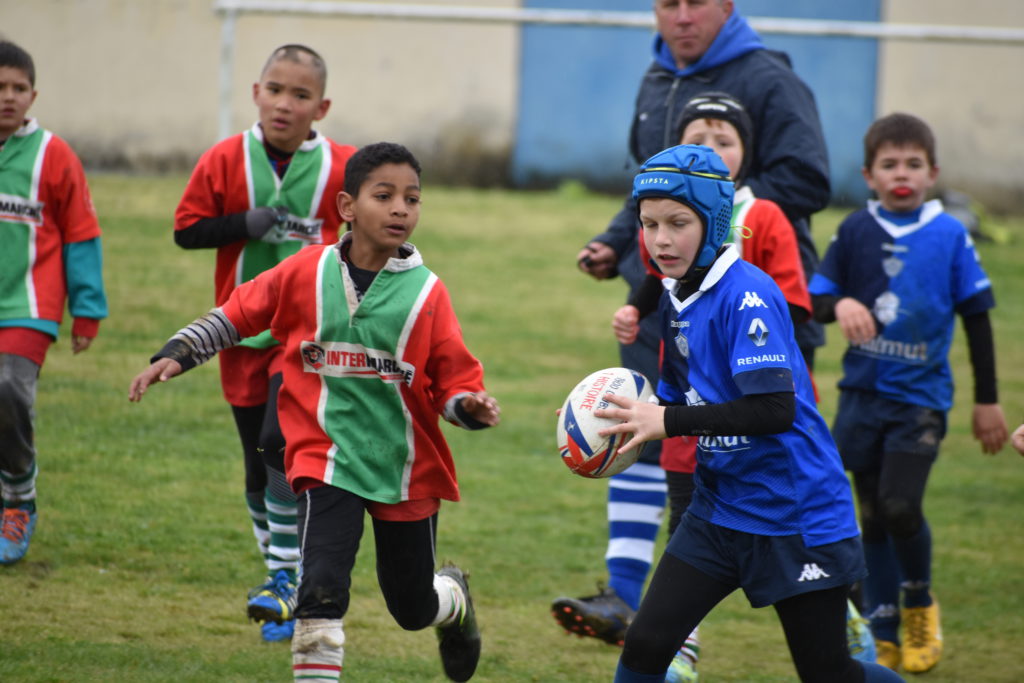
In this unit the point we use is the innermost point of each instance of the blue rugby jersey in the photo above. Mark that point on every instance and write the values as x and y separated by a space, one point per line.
914 272
734 337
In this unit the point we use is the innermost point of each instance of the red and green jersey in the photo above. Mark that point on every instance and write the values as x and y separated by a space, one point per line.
236 175
49 236
365 381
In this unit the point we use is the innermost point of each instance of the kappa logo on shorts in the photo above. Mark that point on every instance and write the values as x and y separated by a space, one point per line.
812 572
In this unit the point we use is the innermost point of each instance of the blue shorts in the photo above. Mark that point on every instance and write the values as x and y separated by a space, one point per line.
867 426
767 568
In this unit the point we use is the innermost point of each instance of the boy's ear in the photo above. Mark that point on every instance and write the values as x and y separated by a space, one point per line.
345 202
255 90
321 111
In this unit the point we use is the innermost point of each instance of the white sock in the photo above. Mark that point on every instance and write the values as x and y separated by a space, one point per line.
317 651
451 601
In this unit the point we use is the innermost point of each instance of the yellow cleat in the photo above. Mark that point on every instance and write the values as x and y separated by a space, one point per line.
922 637
887 654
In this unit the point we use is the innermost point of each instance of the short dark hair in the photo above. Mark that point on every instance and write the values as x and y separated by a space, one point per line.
371 157
901 130
291 52
17 58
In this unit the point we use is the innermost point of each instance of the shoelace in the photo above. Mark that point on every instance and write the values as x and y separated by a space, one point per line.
15 521
917 627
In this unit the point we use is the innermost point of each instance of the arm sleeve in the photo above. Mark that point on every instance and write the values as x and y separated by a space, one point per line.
978 328
208 233
200 341
647 295
824 307
750 415
83 268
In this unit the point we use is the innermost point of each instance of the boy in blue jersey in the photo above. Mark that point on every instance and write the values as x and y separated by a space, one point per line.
772 511
894 277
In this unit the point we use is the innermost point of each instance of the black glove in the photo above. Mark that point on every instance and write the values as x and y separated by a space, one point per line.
259 221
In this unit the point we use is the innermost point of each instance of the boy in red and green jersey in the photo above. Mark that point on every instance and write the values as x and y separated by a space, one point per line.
259 197
50 254
372 357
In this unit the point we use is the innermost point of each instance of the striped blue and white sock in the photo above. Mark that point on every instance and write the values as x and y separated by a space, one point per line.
636 505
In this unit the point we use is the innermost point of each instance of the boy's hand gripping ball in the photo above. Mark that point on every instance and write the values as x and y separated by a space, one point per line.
583 450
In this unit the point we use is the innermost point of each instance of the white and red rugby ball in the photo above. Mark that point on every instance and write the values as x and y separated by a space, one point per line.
583 450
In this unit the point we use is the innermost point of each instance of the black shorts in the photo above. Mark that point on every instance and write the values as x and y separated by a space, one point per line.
867 426
767 568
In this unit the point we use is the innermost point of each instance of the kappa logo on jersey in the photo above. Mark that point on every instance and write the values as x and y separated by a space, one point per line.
341 359
20 210
758 331
752 300
812 572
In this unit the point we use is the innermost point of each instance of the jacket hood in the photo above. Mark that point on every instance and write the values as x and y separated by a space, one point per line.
735 39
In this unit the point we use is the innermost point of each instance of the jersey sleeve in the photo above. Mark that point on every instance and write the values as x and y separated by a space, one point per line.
972 289
252 305
205 193
773 249
74 211
452 368
756 326
828 279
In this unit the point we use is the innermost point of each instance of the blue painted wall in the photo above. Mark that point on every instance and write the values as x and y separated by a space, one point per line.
577 86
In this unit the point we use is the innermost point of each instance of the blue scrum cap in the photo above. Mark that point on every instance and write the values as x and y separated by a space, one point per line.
697 177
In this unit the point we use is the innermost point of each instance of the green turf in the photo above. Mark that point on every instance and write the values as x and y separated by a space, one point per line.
143 554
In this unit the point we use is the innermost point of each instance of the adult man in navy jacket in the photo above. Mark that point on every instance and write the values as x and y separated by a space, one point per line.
701 45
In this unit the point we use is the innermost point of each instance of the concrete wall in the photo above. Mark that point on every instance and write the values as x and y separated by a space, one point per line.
135 83
970 94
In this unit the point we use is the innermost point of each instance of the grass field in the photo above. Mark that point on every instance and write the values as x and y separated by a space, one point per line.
143 554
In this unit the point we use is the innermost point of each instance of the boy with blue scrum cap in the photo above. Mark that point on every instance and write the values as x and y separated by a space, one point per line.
896 275
772 511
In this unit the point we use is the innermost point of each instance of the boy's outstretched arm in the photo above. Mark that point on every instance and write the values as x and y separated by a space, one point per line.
191 346
160 371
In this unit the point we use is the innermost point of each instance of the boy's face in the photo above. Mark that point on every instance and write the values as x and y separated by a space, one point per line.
385 212
672 234
901 176
289 96
720 136
16 96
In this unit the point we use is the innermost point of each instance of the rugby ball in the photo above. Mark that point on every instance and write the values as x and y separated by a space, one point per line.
583 450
